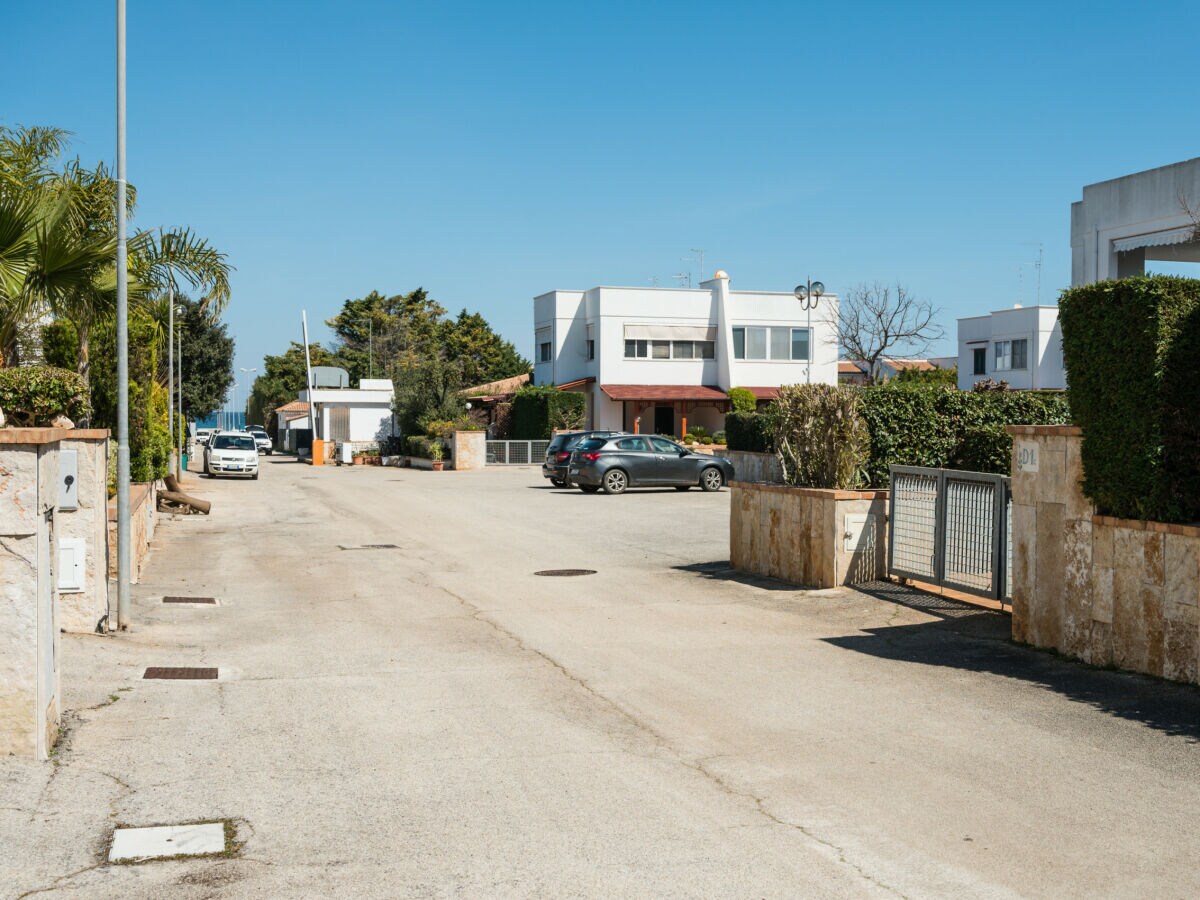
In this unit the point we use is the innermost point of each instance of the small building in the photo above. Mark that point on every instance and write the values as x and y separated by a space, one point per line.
1121 223
290 419
658 360
1021 345
857 372
361 415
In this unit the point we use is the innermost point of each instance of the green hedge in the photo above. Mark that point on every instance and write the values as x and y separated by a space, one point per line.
36 395
937 426
1131 349
537 411
751 431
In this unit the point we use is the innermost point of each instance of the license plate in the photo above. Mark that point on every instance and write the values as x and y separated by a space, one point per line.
234 468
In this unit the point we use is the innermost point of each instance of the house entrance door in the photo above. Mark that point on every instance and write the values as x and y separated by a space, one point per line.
664 420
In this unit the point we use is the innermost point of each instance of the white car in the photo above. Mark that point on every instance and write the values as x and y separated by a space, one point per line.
231 453
261 439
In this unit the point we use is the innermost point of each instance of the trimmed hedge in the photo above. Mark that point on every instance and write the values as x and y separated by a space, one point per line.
751 431
937 426
537 411
742 400
1131 348
36 395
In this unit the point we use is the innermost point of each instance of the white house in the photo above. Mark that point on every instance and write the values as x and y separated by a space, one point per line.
1122 223
656 360
1022 346
358 415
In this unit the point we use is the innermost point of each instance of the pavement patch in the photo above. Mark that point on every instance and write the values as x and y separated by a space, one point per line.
211 601
170 841
565 573
371 547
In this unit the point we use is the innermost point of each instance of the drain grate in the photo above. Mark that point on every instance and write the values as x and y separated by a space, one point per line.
210 600
371 547
565 573
180 673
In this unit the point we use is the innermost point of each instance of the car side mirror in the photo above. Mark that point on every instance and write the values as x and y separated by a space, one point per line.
684 451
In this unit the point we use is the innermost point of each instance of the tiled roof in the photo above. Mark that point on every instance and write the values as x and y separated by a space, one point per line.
294 406
764 393
503 386
921 365
845 367
665 392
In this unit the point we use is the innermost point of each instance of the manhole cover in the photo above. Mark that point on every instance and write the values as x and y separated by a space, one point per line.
565 573
211 600
371 547
168 841
180 673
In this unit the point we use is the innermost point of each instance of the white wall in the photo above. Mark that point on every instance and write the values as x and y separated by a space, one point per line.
1036 324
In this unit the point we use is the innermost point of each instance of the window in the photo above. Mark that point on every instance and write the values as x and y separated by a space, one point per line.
635 443
681 349
591 349
662 445
234 442
754 342
636 349
1011 355
800 343
979 355
544 352
660 349
706 350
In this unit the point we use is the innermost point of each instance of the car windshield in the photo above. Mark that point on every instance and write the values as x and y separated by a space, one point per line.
233 442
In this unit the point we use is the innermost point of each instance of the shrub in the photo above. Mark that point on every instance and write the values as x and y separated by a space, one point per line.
539 411
947 377
706 440
751 431
689 438
699 431
719 437
36 395
444 428
820 438
936 426
425 447
1130 348
742 400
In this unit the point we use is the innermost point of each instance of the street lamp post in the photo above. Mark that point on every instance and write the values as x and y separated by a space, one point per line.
245 412
809 294
178 442
124 601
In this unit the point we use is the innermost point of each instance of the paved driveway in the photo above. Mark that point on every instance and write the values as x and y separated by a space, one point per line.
435 719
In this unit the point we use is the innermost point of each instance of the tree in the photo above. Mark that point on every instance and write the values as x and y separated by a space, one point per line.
481 354
877 320
206 361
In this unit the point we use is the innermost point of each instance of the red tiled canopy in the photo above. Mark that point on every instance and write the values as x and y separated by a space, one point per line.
667 392
764 393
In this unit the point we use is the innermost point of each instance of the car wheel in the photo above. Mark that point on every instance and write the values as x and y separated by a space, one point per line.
711 479
254 477
589 488
615 481
683 487
558 482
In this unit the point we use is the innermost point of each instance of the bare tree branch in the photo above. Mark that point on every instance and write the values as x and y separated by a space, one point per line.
876 321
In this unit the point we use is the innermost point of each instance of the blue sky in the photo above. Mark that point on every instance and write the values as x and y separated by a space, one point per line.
490 152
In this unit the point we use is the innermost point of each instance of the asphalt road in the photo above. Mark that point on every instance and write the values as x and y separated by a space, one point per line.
434 719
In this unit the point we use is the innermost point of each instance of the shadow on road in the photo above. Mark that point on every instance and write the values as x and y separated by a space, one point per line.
721 571
976 640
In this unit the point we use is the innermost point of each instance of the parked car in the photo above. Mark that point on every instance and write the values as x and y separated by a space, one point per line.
261 439
231 453
558 455
203 435
616 462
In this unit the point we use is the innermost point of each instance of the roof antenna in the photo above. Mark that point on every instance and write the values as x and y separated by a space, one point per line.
685 279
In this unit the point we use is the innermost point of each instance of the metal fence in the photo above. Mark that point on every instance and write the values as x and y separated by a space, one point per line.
951 528
516 453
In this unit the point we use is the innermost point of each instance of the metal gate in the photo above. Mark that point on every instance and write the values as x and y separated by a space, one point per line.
952 529
516 453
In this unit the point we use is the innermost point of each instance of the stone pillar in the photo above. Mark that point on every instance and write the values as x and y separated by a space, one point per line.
86 525
29 683
469 450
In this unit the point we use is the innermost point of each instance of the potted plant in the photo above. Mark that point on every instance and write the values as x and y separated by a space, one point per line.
436 453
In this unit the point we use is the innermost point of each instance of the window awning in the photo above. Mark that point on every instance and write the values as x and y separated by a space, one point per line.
1184 235
664 392
670 333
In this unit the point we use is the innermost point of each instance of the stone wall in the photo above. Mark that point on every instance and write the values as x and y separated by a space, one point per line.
1107 591
29 641
468 450
754 467
143 516
82 610
800 535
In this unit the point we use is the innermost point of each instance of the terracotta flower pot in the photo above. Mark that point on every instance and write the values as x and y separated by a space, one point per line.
437 465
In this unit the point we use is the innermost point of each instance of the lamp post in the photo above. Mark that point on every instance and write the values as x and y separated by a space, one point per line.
809 294
124 602
245 412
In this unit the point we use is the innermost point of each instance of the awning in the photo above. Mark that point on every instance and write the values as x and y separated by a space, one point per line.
670 332
1184 235
664 392
766 393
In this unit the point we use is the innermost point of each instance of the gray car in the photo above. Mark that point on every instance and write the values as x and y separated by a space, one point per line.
621 461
